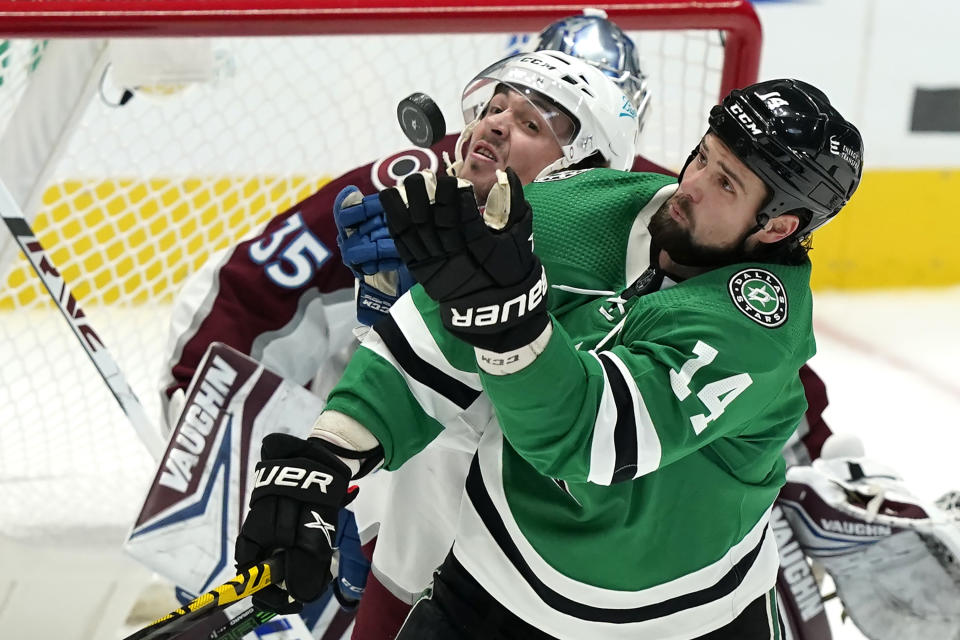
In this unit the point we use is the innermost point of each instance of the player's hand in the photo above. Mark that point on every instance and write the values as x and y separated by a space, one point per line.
490 285
367 249
300 488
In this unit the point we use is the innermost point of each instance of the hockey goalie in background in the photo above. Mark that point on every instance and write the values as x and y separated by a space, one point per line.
281 349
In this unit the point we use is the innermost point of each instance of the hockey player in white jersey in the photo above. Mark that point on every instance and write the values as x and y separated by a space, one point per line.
596 124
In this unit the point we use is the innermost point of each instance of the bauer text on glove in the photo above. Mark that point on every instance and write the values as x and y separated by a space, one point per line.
299 490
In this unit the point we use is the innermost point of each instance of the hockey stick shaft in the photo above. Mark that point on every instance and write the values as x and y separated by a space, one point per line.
241 625
244 584
56 286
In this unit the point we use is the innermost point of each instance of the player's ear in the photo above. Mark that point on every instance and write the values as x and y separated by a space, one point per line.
779 228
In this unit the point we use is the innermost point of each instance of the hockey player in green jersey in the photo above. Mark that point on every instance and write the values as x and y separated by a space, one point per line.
632 445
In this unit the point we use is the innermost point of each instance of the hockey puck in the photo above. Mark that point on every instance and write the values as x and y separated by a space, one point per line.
421 120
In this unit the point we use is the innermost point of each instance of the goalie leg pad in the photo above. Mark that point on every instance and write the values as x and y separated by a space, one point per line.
892 556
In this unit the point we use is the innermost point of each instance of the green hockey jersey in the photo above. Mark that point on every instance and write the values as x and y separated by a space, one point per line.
623 480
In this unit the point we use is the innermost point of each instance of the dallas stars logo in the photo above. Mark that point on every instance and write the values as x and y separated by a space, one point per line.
760 296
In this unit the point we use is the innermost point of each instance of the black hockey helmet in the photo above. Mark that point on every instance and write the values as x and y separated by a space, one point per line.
788 134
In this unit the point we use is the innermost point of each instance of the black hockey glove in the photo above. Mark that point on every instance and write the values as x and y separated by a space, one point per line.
299 491
490 285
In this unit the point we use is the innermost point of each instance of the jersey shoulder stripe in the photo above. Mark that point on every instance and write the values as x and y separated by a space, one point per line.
419 369
625 430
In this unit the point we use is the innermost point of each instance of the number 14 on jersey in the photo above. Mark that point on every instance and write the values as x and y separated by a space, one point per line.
715 396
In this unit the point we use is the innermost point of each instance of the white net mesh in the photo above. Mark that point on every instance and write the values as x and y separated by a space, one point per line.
133 198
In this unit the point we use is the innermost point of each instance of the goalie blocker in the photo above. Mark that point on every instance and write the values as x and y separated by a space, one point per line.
892 556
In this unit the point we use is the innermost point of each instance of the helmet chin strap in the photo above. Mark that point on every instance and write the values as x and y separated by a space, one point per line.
453 168
762 220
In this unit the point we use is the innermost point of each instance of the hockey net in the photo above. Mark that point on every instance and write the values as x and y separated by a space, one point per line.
131 198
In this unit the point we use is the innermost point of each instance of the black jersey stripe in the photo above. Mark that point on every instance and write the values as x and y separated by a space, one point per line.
625 431
482 502
421 370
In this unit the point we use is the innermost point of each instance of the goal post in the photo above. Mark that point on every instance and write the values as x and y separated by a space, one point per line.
132 188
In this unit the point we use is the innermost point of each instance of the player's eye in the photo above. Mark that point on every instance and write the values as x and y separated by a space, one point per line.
533 126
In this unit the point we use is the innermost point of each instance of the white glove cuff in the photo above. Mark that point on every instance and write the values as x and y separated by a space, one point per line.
343 431
501 364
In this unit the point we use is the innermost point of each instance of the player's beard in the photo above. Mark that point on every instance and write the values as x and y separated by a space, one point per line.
667 234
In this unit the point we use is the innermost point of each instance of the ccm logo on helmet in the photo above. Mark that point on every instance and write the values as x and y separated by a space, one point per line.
293 477
538 61
737 110
503 313
772 100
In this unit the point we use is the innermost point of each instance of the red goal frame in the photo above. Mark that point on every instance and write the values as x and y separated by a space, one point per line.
168 18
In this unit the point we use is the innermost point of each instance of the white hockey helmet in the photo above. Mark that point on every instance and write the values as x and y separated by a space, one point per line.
605 120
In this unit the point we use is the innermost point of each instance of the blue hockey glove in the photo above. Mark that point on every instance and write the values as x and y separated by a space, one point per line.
353 566
367 249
